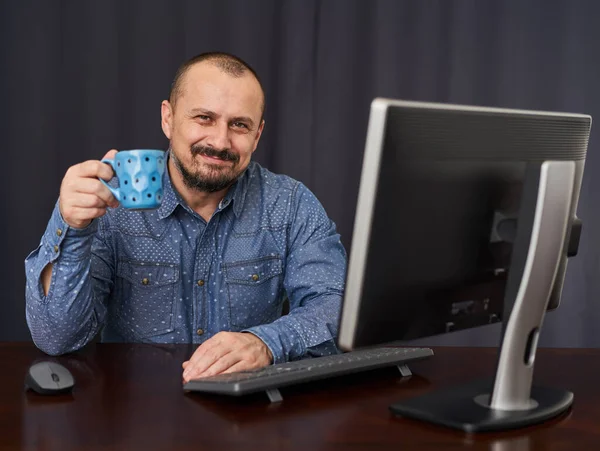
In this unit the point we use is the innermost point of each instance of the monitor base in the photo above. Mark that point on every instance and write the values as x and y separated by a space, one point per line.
462 408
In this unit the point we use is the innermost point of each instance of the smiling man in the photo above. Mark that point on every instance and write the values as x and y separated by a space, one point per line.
228 244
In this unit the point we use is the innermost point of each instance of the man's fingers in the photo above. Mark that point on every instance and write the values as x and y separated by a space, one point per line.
240 366
204 359
94 168
221 365
110 155
91 168
226 352
208 359
75 188
209 344
197 356
94 186
83 200
108 173
82 195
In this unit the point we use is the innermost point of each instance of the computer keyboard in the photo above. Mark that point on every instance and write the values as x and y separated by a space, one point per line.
274 376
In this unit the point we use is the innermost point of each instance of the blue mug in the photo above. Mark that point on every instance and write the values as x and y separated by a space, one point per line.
140 174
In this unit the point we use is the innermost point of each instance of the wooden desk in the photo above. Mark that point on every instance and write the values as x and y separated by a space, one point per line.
130 397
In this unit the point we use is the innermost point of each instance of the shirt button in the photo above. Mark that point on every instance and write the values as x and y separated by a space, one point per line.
200 331
59 232
145 281
255 277
55 248
200 284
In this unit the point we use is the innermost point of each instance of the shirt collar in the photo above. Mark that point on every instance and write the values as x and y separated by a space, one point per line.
236 194
241 189
170 197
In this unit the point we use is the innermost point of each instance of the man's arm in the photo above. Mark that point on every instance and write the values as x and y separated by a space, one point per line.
65 299
314 282
65 303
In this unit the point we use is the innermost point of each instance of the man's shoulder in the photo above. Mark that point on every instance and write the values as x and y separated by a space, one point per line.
260 175
265 198
261 178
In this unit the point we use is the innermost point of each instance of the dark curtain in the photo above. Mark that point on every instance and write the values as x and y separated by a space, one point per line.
81 77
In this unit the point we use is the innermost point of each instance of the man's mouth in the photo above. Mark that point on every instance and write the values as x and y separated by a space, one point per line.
214 160
215 156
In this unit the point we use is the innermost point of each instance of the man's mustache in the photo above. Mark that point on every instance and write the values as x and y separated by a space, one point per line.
223 154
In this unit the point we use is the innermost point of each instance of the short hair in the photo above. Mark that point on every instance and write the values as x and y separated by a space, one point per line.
228 63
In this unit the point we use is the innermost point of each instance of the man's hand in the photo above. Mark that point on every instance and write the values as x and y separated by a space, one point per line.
227 352
82 196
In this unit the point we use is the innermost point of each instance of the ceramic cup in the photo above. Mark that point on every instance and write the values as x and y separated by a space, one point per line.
139 173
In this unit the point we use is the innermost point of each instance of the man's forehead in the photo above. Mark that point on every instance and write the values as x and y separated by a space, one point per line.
207 81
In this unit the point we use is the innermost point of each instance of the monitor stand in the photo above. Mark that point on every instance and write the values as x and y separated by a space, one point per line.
509 401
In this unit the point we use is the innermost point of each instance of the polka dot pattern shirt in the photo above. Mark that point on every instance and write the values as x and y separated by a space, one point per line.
169 276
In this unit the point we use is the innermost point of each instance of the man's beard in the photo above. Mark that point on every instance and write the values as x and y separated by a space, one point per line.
217 179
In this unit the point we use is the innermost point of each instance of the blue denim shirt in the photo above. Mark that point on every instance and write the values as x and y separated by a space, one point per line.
168 276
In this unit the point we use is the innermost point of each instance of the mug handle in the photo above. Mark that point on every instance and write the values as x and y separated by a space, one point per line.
115 191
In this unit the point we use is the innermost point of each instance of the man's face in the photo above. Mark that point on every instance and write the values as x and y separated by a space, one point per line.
214 127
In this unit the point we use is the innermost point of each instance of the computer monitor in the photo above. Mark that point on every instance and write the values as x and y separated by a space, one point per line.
465 217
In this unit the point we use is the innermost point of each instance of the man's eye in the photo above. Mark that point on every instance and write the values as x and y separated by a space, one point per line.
203 117
240 125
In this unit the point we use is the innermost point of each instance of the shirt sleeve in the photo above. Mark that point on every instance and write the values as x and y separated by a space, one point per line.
74 309
314 283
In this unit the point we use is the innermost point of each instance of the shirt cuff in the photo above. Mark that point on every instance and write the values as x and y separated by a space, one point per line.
62 239
285 345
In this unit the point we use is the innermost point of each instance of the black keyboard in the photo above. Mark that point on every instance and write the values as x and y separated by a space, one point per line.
274 376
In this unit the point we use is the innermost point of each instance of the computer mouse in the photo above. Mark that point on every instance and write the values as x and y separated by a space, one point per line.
49 378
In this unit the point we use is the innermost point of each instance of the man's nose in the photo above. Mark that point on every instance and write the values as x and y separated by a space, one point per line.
219 136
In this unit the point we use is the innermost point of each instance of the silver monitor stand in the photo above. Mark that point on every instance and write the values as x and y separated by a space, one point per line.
510 401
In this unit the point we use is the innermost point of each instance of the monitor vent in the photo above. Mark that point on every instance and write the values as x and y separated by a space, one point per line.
447 133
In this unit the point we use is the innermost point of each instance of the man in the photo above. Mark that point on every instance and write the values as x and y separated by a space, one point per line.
213 264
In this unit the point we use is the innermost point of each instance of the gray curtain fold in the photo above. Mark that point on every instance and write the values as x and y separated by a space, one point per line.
81 77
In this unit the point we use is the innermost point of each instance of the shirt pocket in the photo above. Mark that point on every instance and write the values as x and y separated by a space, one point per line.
253 288
147 297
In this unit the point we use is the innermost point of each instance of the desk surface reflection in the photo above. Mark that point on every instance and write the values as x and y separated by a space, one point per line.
129 396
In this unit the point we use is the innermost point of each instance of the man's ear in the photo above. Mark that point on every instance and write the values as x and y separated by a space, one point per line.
166 114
